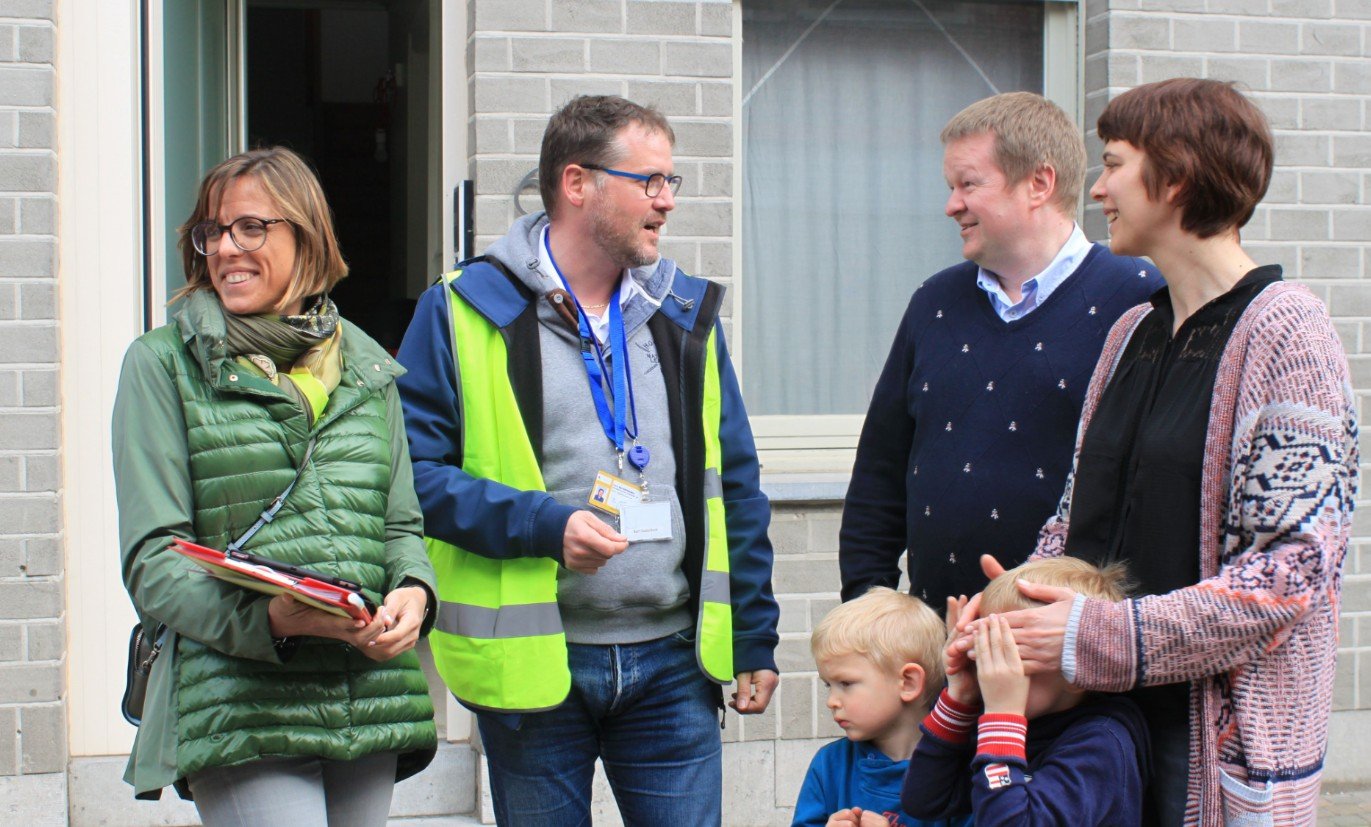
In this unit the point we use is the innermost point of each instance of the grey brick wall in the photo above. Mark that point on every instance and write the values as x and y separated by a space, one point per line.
528 57
805 579
32 713
1305 63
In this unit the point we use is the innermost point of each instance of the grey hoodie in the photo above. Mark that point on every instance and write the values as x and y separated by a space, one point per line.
641 594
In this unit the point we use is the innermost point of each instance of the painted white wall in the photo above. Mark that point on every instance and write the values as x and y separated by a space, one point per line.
100 302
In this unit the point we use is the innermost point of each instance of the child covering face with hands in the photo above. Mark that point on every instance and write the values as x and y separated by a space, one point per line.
1045 751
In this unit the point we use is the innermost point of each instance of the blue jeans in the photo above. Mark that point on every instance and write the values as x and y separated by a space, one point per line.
645 710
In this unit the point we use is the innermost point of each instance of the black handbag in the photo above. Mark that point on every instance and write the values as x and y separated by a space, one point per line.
144 648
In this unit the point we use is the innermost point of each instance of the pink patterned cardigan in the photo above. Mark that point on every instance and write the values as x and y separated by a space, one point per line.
1257 636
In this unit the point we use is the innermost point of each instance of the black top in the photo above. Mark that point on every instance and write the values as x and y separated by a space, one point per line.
1137 488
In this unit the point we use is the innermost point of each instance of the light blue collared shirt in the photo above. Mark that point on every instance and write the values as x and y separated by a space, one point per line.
1036 290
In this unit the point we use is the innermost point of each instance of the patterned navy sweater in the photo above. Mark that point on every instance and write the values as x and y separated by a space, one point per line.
972 424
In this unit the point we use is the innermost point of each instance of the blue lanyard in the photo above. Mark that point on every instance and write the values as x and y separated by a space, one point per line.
616 425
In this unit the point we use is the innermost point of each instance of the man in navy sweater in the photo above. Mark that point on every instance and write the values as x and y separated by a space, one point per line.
970 432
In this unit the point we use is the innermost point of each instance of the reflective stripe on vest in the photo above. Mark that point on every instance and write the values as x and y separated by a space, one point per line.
499 644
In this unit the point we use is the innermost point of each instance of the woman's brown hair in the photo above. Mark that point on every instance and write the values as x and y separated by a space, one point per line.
296 192
1203 136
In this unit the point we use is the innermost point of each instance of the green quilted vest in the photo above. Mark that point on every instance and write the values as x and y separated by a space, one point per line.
244 439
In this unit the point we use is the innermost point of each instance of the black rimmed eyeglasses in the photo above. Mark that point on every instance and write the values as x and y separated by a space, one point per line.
248 234
652 184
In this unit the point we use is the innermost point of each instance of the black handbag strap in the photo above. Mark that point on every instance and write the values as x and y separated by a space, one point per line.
269 513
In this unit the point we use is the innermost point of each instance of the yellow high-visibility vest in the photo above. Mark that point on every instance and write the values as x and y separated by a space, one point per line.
499 643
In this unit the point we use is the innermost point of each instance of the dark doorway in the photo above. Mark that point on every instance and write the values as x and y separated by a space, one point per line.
327 80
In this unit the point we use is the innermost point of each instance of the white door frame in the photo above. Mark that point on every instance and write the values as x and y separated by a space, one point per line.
455 115
100 295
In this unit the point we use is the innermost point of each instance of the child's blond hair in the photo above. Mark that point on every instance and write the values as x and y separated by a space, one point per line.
1108 583
889 628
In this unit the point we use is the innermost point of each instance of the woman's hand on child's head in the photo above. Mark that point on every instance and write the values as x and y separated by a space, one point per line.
991 567
1004 686
1041 632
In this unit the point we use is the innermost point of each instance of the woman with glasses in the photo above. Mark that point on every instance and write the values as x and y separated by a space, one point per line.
1217 457
264 709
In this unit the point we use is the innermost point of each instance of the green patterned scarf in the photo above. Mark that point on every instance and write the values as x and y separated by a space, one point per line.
301 354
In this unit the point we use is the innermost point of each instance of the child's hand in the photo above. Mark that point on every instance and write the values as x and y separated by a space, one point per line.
998 668
961 682
857 817
845 818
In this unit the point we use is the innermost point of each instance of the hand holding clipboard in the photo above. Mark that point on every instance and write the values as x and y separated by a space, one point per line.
330 594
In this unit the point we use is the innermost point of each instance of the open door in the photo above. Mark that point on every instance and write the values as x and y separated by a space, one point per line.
354 87
193 122
346 84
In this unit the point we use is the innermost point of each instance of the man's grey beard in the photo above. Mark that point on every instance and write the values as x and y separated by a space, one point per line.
621 247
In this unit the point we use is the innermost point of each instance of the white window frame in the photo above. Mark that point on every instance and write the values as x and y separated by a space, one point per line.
827 444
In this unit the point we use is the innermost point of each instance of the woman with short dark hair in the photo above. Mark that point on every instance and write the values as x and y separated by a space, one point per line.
267 710
1217 457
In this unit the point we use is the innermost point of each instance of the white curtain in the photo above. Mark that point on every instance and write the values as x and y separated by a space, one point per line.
843 187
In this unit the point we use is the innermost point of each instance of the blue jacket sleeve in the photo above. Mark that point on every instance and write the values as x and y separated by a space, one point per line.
812 808
748 514
937 784
479 515
1091 777
873 532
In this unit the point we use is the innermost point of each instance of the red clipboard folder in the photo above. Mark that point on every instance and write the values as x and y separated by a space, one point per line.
271 577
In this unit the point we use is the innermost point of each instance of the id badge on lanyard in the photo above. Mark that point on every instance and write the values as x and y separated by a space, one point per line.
641 518
646 519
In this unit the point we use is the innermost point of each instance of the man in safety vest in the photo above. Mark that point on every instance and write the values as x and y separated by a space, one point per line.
590 491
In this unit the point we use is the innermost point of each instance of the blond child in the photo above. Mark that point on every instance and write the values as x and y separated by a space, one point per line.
1046 752
880 656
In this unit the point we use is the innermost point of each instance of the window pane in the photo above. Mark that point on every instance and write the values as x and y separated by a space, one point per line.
843 187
